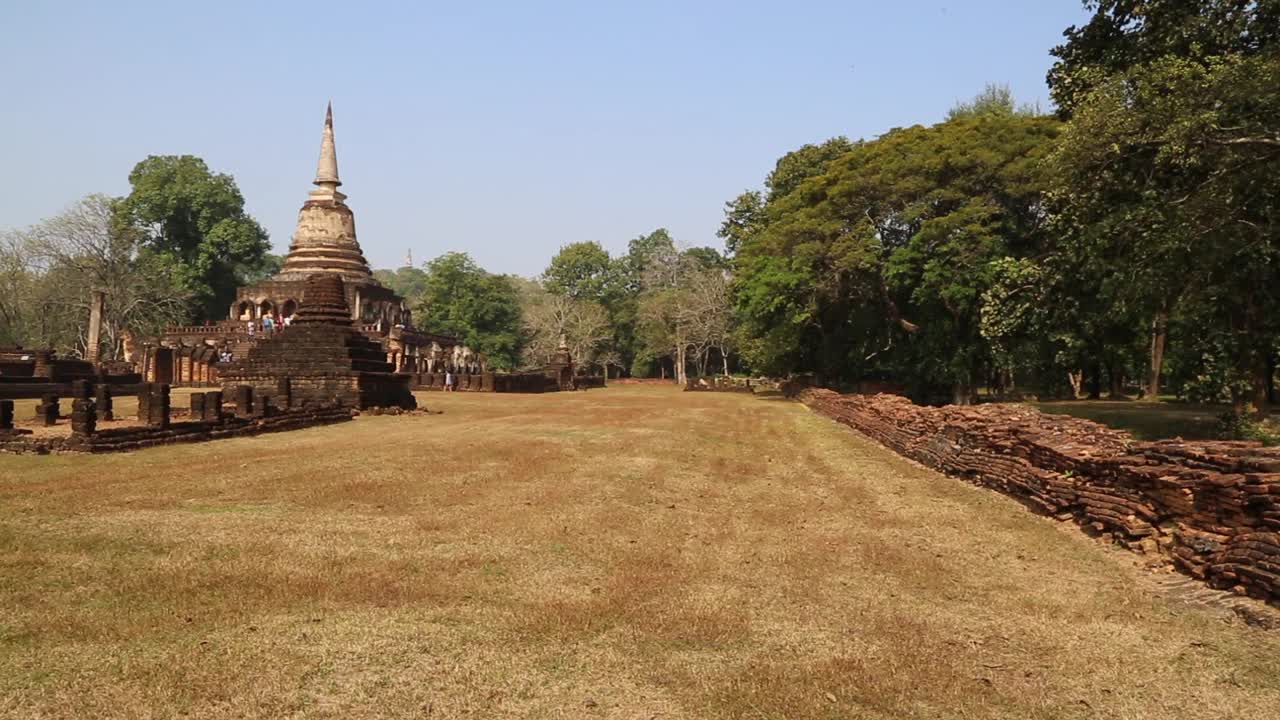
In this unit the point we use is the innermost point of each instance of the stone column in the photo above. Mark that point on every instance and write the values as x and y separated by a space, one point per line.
213 406
158 406
44 364
6 415
102 398
47 410
284 393
144 402
84 417
197 406
95 324
244 401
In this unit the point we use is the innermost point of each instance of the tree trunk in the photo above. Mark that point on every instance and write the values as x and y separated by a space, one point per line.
1259 386
1253 364
724 358
1271 380
1159 333
1095 382
962 393
1076 378
1115 380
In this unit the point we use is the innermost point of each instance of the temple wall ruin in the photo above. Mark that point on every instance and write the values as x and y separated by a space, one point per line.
208 418
1212 509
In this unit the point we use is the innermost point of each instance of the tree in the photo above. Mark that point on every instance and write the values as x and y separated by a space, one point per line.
710 315
482 309
17 289
683 309
1123 34
406 281
194 221
878 265
1169 171
582 271
993 100
629 273
550 317
803 163
744 217
263 270
707 258
84 249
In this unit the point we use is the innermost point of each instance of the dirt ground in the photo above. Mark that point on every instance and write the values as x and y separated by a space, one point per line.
634 552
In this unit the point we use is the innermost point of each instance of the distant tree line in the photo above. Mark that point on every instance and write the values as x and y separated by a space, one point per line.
657 310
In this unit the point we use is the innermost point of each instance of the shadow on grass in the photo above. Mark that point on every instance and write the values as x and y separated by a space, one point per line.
1144 420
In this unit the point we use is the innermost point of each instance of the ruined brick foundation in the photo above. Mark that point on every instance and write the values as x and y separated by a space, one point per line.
1212 509
209 420
324 357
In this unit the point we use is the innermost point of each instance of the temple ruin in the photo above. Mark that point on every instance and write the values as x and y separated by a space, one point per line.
324 243
324 358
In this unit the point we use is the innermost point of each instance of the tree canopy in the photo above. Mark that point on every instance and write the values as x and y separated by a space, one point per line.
1122 34
195 222
460 298
879 263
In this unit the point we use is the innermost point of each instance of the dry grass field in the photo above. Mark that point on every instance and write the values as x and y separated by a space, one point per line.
625 553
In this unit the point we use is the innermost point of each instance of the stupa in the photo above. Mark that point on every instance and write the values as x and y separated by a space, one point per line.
324 243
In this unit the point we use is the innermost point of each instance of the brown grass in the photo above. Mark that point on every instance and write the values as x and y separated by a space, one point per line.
627 553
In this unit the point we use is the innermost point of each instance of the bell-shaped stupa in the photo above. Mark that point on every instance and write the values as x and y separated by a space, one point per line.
324 240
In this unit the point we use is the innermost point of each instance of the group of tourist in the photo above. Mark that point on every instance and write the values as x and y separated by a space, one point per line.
269 324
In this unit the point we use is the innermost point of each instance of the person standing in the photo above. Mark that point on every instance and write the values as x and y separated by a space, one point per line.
448 381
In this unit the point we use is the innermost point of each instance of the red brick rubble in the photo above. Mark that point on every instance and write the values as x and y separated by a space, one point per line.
1210 508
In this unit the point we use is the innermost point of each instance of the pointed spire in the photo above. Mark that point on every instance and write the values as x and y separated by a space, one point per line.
327 170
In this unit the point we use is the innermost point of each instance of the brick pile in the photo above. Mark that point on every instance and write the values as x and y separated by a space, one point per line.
1211 508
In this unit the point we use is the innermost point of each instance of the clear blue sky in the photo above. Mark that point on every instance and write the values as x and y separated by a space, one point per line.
504 129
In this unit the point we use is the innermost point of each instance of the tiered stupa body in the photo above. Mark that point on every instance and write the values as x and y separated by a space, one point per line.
325 359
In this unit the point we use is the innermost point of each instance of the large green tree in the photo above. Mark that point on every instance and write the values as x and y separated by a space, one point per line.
1122 34
195 222
582 271
482 309
877 266
1169 176
409 282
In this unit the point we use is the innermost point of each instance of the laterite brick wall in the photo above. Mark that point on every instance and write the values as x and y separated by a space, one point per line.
1210 508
